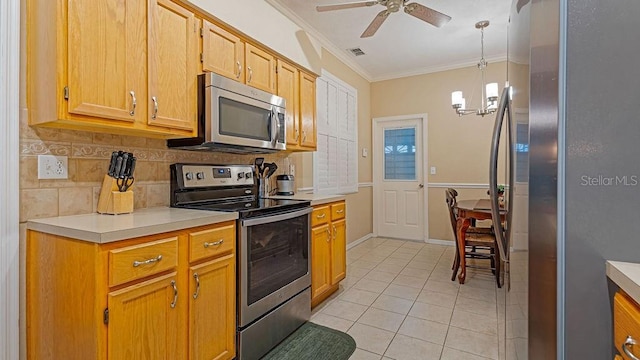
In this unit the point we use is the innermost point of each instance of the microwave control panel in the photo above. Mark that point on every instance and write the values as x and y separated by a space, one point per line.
194 176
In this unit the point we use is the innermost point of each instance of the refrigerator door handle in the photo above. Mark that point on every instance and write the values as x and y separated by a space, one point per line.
501 235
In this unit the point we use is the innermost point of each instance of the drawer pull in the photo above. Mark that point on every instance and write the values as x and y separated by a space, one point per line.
150 261
175 294
340 211
197 278
215 243
321 216
628 343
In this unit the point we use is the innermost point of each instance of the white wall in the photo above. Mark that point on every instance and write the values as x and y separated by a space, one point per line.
9 123
262 22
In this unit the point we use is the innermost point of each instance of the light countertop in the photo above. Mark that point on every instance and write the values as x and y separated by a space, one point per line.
101 228
626 276
316 199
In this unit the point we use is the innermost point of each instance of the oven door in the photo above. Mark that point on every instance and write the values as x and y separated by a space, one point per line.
274 262
239 120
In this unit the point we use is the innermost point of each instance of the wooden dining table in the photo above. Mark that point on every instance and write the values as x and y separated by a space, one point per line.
478 209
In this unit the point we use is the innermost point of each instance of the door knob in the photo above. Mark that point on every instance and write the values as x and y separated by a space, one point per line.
420 186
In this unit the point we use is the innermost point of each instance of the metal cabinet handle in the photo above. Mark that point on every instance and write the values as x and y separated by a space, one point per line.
175 294
328 234
297 134
250 74
197 278
340 211
155 107
133 103
335 232
304 135
215 243
146 262
628 343
321 216
239 69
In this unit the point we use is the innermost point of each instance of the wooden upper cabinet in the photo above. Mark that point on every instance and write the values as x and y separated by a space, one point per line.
222 52
105 58
103 65
261 69
173 70
308 111
288 88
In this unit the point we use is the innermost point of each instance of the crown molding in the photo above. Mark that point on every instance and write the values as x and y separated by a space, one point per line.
434 69
328 45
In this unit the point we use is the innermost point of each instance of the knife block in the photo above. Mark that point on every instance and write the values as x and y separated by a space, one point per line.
113 201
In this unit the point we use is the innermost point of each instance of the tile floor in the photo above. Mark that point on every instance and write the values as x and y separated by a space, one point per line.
398 302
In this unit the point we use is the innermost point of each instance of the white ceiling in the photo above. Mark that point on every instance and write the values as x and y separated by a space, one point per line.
405 45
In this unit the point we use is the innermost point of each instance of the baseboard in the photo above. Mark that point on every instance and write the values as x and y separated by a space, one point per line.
440 242
359 241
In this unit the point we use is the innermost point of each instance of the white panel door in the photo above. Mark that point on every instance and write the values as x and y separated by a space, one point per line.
398 182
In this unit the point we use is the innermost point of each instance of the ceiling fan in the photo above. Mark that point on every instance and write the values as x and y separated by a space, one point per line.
422 12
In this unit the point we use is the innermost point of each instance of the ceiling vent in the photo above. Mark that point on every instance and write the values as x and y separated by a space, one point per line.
357 51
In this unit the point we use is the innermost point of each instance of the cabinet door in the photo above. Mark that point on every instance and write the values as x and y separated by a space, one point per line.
320 260
261 69
222 52
212 310
173 66
338 251
308 110
106 62
288 85
142 322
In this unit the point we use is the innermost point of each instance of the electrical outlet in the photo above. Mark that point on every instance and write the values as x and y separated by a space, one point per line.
292 170
433 170
52 167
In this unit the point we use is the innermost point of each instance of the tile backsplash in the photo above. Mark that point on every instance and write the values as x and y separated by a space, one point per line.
89 155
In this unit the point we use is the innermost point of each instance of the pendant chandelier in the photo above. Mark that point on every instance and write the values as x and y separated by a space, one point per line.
489 91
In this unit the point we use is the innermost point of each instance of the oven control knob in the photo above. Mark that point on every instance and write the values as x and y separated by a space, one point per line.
248 175
200 175
188 176
240 175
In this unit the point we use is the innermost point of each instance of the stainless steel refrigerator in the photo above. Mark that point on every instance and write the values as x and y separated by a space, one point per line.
570 134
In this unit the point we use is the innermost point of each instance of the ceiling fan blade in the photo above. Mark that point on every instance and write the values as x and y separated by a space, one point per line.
375 24
429 15
321 8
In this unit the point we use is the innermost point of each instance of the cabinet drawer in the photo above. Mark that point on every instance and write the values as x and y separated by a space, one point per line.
137 261
337 211
320 216
210 242
626 318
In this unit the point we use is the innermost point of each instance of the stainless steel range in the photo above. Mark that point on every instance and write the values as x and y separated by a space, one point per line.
273 267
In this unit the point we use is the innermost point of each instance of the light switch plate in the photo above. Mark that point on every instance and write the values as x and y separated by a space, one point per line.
53 167
433 170
365 153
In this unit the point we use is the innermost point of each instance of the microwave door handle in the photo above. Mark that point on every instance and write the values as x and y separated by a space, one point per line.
276 127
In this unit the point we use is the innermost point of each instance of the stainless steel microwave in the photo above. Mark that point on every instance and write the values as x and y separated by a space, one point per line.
234 117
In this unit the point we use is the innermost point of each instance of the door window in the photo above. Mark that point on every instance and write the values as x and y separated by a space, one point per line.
400 154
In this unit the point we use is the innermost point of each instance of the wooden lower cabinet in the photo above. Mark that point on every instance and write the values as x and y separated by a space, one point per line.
153 297
626 323
212 320
144 312
328 250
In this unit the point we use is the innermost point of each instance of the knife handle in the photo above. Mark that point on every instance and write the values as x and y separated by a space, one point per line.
112 164
125 163
132 166
118 167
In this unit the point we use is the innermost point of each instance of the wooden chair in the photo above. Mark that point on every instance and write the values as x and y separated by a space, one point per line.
480 242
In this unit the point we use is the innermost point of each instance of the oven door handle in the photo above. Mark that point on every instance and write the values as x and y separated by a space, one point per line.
277 217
